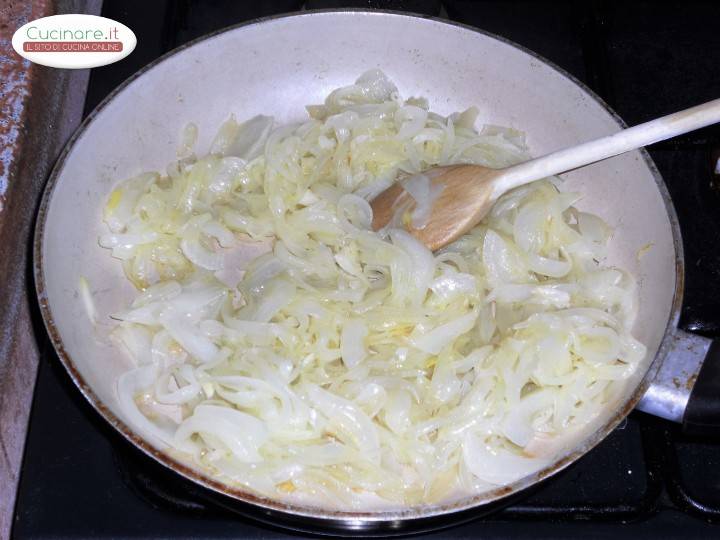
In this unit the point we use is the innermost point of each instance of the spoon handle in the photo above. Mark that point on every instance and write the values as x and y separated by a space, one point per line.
628 139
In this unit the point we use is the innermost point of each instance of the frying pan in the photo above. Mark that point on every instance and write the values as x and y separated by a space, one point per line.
277 66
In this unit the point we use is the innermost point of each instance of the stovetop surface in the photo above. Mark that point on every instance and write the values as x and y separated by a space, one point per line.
82 480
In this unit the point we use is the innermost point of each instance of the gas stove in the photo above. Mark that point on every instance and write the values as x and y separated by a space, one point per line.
82 480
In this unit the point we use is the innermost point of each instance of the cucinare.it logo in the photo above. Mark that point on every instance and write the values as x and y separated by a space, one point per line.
74 41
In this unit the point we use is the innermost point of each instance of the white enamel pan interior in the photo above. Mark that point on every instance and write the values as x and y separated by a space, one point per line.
279 65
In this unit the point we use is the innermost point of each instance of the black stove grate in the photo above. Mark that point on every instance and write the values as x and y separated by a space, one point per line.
82 480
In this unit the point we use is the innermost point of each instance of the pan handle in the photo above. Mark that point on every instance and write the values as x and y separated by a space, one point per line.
686 388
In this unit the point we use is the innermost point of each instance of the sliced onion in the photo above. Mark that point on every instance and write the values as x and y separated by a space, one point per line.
352 342
548 267
129 385
435 340
188 337
420 270
424 193
517 425
347 420
496 466
245 141
240 433
502 263
411 120
397 411
452 284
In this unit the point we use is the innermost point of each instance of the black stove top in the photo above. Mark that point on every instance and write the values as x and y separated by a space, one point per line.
82 480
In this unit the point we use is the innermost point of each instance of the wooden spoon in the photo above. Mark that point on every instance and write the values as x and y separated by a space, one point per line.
467 192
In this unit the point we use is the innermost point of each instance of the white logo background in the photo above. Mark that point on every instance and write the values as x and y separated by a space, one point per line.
67 35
